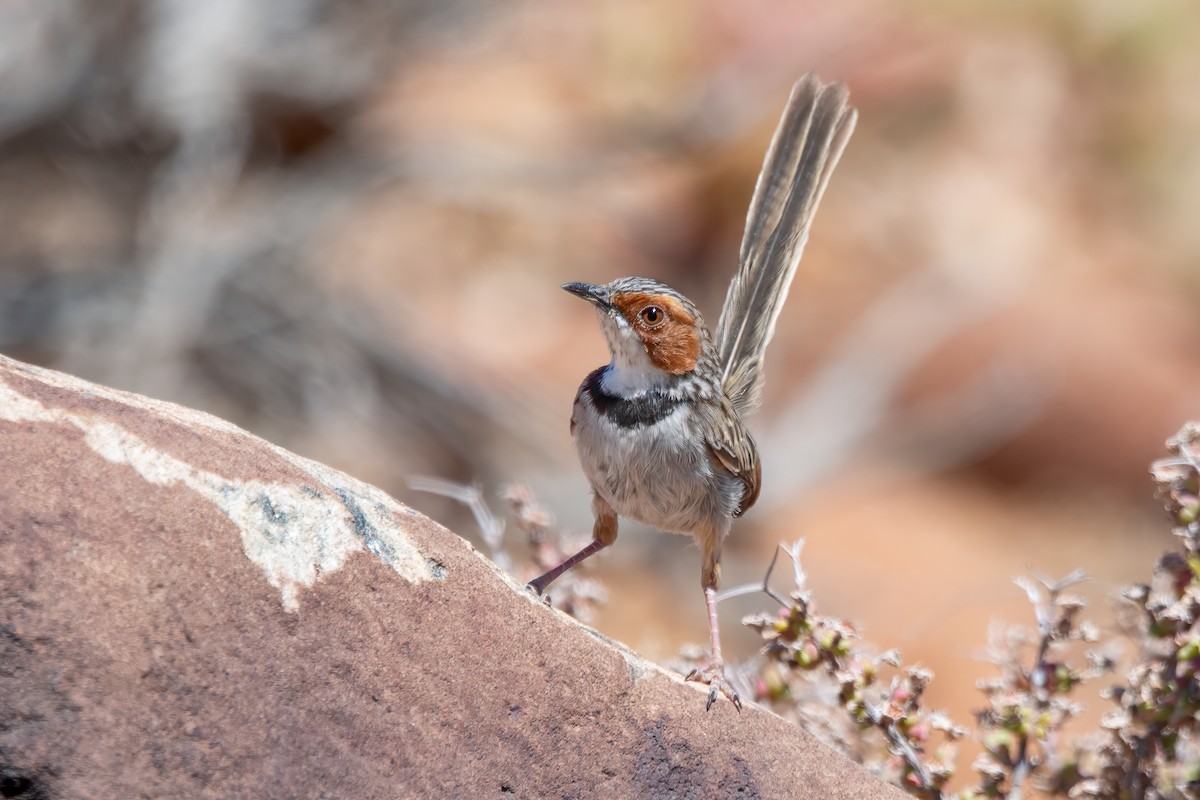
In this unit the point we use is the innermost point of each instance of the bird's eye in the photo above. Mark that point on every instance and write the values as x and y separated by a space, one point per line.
652 315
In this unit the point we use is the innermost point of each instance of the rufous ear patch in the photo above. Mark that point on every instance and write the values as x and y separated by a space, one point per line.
674 345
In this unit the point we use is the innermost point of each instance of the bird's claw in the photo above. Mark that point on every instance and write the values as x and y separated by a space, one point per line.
714 676
533 589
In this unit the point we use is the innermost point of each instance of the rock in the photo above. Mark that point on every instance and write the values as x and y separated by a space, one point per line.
189 611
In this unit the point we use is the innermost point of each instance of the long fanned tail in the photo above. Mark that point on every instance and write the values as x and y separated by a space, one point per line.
812 133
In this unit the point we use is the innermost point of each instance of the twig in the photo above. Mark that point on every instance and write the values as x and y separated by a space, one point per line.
765 586
902 747
1044 612
1186 452
797 570
491 527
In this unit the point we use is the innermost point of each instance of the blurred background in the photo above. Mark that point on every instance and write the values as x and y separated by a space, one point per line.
343 225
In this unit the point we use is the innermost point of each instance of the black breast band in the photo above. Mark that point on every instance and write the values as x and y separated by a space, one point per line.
630 412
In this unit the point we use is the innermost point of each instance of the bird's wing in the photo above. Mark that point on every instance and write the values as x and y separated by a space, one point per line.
733 448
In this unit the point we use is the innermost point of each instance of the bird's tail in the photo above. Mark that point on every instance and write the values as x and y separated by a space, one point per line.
812 133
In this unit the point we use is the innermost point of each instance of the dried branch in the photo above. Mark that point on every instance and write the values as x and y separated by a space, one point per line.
491 527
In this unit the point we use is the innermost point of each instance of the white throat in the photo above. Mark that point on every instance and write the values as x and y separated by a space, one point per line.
631 372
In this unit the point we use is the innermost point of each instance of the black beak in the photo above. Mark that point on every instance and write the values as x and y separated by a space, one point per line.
596 295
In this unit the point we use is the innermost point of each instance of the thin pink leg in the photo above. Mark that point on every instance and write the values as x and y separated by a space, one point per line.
714 673
540 583
714 628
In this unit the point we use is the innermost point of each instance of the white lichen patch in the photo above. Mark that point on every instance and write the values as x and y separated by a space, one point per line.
293 532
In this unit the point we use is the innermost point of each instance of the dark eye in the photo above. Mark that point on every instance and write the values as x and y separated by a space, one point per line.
652 315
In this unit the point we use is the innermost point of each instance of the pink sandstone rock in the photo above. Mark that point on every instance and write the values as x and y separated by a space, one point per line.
189 611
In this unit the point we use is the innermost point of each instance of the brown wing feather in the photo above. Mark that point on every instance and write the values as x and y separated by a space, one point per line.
731 445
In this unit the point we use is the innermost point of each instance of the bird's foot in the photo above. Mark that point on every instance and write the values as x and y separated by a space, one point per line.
538 592
714 676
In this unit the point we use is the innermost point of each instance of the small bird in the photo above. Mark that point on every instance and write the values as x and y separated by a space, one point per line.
660 429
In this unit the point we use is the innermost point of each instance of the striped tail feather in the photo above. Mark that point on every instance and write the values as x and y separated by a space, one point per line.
812 133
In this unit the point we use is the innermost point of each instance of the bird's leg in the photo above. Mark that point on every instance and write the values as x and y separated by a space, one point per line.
604 533
710 578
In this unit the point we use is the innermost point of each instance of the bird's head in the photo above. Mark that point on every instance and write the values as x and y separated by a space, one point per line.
652 330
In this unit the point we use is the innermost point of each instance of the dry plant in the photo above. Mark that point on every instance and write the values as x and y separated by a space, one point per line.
814 669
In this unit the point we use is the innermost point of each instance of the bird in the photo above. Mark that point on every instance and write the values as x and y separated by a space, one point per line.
660 430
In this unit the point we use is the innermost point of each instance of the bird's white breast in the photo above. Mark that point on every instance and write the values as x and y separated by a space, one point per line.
660 473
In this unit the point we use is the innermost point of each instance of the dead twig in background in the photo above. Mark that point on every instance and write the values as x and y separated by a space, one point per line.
574 593
491 527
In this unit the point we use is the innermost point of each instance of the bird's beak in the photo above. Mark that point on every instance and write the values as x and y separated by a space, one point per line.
596 295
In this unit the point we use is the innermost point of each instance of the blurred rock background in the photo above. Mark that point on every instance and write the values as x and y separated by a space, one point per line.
343 226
